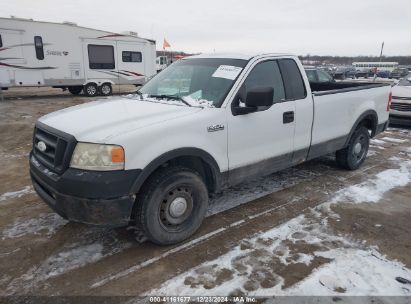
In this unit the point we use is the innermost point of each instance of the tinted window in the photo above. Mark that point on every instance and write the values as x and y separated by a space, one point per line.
38 46
1 42
129 56
266 74
101 56
311 75
293 81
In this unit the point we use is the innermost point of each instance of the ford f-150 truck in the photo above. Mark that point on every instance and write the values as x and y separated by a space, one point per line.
206 122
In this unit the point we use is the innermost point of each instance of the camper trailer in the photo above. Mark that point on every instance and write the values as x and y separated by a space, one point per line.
67 56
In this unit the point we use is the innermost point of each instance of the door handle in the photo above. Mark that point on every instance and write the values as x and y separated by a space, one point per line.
288 117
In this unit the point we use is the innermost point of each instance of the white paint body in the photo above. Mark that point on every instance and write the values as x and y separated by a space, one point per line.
402 95
66 60
147 130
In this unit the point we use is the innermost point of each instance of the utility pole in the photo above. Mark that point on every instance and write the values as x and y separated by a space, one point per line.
375 70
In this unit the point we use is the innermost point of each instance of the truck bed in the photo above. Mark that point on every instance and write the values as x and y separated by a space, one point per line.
320 88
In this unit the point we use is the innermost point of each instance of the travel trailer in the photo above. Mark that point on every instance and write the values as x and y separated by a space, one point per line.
67 56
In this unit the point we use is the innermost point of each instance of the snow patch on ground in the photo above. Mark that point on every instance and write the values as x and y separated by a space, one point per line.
352 268
354 272
394 140
377 141
94 245
16 194
371 191
44 223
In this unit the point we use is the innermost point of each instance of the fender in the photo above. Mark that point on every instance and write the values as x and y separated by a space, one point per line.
374 118
157 162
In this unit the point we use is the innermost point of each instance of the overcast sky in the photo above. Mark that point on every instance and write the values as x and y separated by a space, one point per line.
322 27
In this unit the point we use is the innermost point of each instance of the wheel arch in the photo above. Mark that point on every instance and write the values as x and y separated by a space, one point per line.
368 119
193 158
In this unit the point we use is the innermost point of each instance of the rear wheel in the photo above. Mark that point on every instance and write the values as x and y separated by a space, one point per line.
90 89
355 153
106 89
75 90
171 205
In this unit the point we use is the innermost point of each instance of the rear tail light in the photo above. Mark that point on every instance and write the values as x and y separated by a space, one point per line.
389 102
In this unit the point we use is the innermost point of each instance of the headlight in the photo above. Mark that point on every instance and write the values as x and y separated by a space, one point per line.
97 157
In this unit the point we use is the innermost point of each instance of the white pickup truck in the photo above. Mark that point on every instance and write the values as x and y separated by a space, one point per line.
204 123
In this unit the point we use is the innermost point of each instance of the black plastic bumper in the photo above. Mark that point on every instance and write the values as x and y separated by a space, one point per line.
90 197
400 120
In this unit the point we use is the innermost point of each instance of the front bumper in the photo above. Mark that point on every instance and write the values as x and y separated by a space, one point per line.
400 120
100 198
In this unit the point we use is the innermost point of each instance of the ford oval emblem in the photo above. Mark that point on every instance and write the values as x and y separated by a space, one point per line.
41 146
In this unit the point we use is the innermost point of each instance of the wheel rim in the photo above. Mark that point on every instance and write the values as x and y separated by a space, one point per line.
105 89
359 150
91 90
176 207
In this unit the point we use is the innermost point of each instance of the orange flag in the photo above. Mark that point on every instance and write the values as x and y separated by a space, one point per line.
166 44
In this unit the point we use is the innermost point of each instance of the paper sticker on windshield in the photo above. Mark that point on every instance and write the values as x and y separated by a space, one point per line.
227 71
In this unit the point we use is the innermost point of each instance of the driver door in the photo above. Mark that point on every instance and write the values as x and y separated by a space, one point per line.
261 142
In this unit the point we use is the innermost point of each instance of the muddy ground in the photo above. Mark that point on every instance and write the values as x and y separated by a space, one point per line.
298 231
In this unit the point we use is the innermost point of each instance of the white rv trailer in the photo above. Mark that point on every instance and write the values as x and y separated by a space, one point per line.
64 55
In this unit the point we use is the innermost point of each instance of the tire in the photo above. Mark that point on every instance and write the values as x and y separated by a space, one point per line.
352 156
75 90
106 89
162 223
90 90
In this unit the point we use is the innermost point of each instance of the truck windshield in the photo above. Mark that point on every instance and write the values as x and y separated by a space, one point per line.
199 81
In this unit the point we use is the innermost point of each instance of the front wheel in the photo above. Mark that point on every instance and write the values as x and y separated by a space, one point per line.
352 156
171 205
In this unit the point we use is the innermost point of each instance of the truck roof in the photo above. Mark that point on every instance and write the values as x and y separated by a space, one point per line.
244 56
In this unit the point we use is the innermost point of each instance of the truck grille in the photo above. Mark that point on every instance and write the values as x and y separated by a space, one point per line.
399 106
59 147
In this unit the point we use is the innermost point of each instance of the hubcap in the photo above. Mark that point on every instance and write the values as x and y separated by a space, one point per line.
91 90
357 148
105 89
178 206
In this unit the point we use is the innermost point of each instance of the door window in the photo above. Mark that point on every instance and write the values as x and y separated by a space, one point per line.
293 81
266 74
101 56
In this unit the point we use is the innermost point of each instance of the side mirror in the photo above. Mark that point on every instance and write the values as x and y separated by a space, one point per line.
260 97
255 97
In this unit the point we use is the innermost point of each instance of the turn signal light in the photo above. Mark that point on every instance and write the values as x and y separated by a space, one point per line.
117 155
389 102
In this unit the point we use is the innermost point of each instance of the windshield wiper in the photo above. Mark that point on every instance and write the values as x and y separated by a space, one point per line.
172 97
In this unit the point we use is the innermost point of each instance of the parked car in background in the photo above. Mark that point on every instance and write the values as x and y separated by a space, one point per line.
364 73
317 75
400 112
384 74
399 73
344 72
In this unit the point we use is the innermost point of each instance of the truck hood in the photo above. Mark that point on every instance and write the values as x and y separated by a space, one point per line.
401 91
101 120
